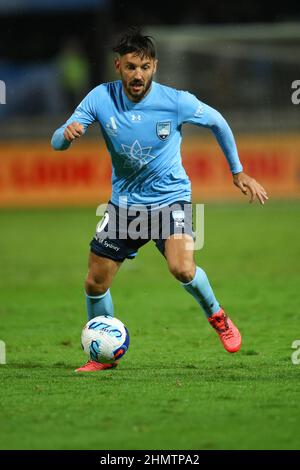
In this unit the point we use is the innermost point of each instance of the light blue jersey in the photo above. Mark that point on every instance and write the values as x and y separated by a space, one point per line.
144 140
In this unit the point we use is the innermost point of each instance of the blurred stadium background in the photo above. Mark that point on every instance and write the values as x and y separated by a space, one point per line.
241 58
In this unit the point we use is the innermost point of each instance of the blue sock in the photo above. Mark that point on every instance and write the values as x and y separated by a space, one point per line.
99 305
200 288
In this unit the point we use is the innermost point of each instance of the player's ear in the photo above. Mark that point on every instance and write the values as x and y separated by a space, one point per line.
117 64
155 65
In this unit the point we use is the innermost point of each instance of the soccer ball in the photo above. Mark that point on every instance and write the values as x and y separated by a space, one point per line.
105 339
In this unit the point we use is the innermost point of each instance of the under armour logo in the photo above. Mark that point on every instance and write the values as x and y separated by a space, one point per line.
136 117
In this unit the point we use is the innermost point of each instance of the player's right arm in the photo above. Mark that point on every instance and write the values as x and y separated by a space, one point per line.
77 124
73 131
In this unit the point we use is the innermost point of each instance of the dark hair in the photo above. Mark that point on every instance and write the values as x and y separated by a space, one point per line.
134 41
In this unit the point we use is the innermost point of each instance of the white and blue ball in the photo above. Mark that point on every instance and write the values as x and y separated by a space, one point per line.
105 339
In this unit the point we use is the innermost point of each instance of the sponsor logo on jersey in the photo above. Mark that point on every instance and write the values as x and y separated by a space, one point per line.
163 130
135 155
136 117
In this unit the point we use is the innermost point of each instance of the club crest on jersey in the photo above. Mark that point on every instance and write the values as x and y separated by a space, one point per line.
163 129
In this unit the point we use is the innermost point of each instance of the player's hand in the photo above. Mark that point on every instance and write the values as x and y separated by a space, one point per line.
73 131
250 186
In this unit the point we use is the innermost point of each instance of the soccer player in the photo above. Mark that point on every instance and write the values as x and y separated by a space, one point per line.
141 122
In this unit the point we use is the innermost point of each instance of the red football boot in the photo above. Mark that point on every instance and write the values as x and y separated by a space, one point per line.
227 331
93 366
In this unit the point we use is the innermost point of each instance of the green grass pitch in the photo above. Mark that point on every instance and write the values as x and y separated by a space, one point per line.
176 388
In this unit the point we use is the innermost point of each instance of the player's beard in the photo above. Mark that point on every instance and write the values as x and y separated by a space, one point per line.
138 94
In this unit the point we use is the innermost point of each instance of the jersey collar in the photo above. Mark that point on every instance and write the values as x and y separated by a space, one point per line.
130 104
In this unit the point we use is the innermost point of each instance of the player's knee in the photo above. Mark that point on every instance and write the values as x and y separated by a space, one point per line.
94 286
184 272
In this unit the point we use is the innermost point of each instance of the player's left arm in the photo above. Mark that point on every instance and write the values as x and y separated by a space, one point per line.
223 133
195 112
